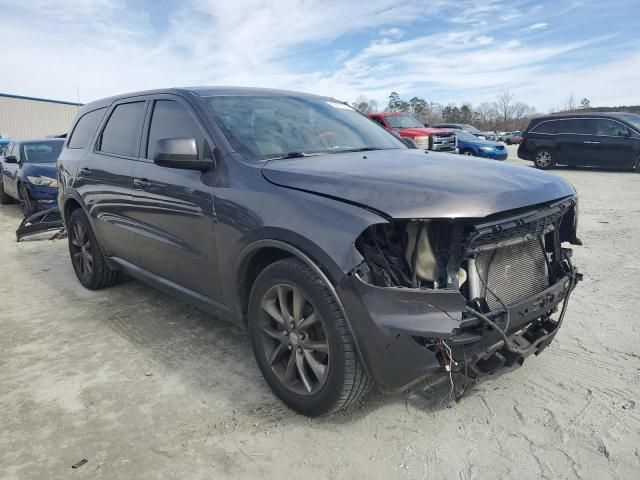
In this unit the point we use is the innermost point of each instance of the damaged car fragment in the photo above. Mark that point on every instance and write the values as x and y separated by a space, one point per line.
351 259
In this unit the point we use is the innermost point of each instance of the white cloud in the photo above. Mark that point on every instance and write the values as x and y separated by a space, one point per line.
103 48
538 26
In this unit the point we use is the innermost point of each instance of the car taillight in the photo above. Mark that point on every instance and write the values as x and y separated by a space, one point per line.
522 139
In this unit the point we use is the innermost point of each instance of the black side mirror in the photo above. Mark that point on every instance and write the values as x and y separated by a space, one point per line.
180 153
11 159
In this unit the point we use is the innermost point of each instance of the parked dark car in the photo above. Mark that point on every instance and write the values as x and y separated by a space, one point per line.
28 174
605 140
473 146
350 258
468 128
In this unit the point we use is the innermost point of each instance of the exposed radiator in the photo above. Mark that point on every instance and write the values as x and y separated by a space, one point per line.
513 272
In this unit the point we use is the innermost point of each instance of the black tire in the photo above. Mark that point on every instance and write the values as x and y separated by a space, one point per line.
468 153
4 198
342 380
544 159
28 206
508 141
636 167
86 255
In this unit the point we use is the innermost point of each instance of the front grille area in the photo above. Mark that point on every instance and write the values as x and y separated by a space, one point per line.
512 272
532 229
442 141
499 147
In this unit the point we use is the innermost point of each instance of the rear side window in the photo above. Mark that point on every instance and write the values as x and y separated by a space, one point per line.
172 120
550 126
611 128
84 129
579 126
121 134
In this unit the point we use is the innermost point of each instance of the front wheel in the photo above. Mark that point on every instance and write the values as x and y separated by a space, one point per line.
27 204
86 256
544 159
468 153
301 342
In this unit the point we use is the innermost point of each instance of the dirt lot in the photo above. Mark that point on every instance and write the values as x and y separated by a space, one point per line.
145 387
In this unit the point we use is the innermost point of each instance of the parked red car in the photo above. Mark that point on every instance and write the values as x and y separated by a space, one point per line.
408 126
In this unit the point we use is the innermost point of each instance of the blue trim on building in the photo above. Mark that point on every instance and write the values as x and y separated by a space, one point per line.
22 97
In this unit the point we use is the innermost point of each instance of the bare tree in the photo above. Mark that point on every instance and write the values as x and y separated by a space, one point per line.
504 105
585 103
570 103
365 105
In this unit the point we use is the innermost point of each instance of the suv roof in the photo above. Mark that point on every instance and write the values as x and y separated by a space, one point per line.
202 91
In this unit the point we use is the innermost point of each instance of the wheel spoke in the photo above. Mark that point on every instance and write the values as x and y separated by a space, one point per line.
277 352
75 242
291 368
319 369
270 332
298 304
301 371
269 306
317 346
311 320
284 307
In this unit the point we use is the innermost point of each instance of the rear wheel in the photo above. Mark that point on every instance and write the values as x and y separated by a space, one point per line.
544 159
508 141
4 198
27 204
86 256
301 342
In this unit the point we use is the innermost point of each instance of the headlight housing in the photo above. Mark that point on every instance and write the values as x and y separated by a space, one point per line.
43 181
486 149
422 141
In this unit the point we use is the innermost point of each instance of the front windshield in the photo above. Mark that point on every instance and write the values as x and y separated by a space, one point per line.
464 135
267 127
403 121
469 128
632 119
41 152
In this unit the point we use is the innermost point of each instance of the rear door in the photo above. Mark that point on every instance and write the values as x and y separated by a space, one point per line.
173 208
104 177
575 141
615 145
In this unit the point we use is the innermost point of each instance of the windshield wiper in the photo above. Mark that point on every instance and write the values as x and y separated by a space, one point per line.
363 149
293 155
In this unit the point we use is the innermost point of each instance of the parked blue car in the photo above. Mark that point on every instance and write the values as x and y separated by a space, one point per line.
469 144
28 174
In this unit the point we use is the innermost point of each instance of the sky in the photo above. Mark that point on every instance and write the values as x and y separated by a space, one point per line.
442 51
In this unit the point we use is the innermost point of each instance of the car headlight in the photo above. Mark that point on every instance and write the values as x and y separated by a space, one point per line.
422 142
486 149
43 181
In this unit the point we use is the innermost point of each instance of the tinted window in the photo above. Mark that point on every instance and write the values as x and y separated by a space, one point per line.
546 127
120 135
611 128
40 152
172 120
84 129
577 125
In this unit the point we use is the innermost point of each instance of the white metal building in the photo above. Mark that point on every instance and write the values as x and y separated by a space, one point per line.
26 117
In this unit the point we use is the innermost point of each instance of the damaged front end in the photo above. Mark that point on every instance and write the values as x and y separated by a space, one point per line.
465 295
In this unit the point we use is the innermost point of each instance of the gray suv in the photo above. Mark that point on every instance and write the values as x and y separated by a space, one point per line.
351 259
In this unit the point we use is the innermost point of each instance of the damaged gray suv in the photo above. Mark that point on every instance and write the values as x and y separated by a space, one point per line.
351 259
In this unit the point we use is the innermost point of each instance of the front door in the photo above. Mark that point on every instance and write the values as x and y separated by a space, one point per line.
173 208
615 145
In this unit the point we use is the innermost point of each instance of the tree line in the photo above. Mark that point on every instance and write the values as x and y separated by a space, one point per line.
505 113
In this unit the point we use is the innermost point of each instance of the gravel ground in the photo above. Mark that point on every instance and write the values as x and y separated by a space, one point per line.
145 387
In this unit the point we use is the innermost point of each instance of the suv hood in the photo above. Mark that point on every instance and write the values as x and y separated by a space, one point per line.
413 184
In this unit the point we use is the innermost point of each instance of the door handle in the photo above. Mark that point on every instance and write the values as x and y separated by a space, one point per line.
592 143
141 183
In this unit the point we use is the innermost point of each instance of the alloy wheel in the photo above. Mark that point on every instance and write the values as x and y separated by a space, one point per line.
81 252
295 342
543 159
25 201
468 153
